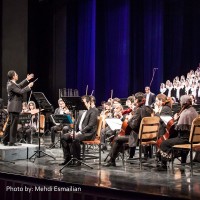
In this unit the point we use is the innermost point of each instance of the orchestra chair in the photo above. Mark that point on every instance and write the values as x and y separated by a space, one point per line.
148 134
95 143
192 146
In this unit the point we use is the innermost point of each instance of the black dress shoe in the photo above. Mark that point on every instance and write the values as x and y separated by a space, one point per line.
162 168
12 144
110 164
77 163
65 162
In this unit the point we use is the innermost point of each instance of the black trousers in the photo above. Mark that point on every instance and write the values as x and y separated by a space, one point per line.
166 148
118 146
72 146
55 129
11 128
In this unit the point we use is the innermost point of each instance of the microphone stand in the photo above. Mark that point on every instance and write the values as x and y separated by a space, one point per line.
154 71
39 151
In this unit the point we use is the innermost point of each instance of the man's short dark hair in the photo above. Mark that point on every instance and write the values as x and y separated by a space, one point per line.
92 98
11 73
86 97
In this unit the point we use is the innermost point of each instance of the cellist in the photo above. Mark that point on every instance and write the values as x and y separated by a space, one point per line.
162 107
133 123
182 127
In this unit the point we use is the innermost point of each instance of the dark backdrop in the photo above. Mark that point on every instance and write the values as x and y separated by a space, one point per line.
111 44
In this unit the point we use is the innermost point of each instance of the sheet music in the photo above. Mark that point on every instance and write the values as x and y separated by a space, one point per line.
114 124
166 118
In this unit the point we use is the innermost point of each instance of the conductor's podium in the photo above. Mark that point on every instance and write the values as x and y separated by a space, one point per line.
20 152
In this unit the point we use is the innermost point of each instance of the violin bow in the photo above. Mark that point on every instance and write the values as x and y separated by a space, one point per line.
30 96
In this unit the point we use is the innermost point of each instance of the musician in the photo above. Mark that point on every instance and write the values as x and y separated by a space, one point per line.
15 97
34 123
3 116
62 109
183 129
85 130
133 124
21 128
25 107
162 108
107 132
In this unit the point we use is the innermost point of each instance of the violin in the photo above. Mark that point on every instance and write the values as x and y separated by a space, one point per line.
34 111
127 111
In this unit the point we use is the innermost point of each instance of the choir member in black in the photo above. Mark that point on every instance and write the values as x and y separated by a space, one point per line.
85 130
182 127
133 124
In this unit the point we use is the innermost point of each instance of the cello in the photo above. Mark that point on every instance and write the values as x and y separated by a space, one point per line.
170 128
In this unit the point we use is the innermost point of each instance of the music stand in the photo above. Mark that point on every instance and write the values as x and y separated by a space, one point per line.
75 104
42 103
24 118
64 119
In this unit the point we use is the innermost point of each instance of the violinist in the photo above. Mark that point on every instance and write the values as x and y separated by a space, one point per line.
21 128
184 122
133 124
62 109
3 117
107 132
34 123
127 114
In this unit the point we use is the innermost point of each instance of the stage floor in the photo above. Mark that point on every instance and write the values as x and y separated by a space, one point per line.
122 178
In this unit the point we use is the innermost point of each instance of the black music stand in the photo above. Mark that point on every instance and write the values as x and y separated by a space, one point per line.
75 104
64 119
42 103
24 118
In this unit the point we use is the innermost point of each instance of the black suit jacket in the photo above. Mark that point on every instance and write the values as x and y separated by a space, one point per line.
15 95
89 124
152 98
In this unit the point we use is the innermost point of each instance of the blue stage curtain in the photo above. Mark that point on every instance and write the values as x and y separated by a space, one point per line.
115 44
146 44
112 48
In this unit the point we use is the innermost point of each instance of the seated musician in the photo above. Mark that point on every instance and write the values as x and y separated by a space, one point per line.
3 117
34 123
62 109
107 132
127 114
133 124
162 108
85 130
21 128
182 127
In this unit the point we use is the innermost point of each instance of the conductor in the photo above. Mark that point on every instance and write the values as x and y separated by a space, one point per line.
15 97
